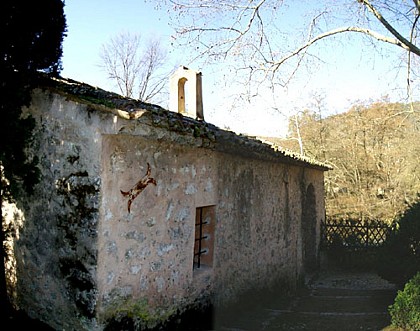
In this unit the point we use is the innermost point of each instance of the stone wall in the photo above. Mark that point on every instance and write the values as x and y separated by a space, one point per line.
56 242
83 259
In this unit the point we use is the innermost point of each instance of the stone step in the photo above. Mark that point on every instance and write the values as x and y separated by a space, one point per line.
326 321
337 301
314 309
284 320
342 304
349 292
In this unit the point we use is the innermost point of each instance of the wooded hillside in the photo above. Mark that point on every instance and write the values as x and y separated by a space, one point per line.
374 150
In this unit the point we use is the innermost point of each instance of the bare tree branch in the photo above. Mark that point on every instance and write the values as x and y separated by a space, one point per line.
417 4
403 42
371 33
135 67
409 92
259 42
253 13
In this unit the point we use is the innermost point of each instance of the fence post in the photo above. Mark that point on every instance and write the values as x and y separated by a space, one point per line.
367 234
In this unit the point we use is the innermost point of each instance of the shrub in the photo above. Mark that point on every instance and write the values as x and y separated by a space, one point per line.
399 258
405 312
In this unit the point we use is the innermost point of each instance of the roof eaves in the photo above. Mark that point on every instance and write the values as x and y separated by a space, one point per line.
131 109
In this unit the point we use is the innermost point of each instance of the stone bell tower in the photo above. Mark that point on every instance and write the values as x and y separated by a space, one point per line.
188 101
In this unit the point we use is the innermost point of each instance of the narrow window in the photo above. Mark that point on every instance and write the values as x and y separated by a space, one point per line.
204 237
182 104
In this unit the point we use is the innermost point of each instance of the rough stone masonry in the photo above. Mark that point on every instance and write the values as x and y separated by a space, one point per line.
227 214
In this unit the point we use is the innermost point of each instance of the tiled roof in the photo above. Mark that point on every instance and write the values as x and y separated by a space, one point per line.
212 136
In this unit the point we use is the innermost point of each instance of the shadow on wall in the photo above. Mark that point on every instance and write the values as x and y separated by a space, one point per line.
309 230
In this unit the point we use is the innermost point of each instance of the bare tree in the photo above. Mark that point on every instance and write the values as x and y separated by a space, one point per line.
254 36
371 148
138 69
150 83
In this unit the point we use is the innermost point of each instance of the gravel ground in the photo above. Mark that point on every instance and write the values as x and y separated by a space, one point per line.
350 280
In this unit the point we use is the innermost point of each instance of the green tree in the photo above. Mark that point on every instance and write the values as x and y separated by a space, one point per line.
399 258
405 311
31 33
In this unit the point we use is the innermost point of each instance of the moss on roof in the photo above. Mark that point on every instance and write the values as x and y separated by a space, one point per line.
216 138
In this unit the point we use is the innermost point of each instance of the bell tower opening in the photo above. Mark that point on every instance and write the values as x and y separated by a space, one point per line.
186 96
181 96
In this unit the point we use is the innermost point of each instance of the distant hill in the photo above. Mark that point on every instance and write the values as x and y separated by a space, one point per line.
374 150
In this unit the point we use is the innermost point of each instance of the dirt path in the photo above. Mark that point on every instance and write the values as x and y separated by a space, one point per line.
335 300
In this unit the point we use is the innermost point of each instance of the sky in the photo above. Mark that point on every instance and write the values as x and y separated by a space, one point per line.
346 75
